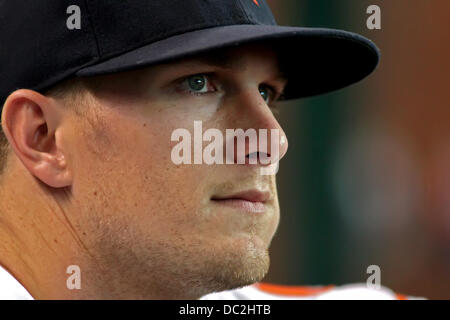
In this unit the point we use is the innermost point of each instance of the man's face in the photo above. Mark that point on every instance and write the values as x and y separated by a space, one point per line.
167 227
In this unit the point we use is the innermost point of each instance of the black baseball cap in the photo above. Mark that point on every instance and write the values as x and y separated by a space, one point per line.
38 49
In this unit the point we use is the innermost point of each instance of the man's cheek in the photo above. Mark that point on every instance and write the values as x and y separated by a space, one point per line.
171 190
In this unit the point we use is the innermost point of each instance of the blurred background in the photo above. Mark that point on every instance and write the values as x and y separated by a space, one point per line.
366 179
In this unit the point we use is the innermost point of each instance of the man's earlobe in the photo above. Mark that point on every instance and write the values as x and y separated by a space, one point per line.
32 124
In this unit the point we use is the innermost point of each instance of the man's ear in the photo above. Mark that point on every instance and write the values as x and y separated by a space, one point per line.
31 122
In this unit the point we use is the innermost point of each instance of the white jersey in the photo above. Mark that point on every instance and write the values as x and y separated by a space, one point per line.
11 289
265 291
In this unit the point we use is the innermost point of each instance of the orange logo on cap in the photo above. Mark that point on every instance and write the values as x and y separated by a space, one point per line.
256 2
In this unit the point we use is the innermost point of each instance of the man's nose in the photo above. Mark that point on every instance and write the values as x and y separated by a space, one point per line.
254 117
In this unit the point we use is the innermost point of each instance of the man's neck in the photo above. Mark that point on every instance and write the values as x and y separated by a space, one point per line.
37 242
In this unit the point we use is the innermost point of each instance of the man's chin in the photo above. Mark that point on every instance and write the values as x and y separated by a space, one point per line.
242 268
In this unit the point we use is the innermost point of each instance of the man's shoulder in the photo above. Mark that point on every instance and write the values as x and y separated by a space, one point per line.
266 291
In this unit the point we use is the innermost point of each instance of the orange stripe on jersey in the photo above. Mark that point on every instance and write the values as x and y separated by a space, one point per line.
399 296
292 290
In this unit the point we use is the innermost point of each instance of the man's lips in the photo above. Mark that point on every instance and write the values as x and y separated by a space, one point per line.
251 201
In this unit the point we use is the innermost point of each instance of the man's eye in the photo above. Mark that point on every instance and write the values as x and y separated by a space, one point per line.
268 93
198 84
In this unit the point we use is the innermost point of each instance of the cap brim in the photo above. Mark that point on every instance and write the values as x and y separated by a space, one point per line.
315 60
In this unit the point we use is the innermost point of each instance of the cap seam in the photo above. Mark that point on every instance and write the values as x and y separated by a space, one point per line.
245 12
94 33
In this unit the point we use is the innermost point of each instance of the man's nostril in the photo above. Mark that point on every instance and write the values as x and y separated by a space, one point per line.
258 156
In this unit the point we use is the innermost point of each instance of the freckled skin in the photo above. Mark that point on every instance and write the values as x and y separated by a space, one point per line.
149 225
